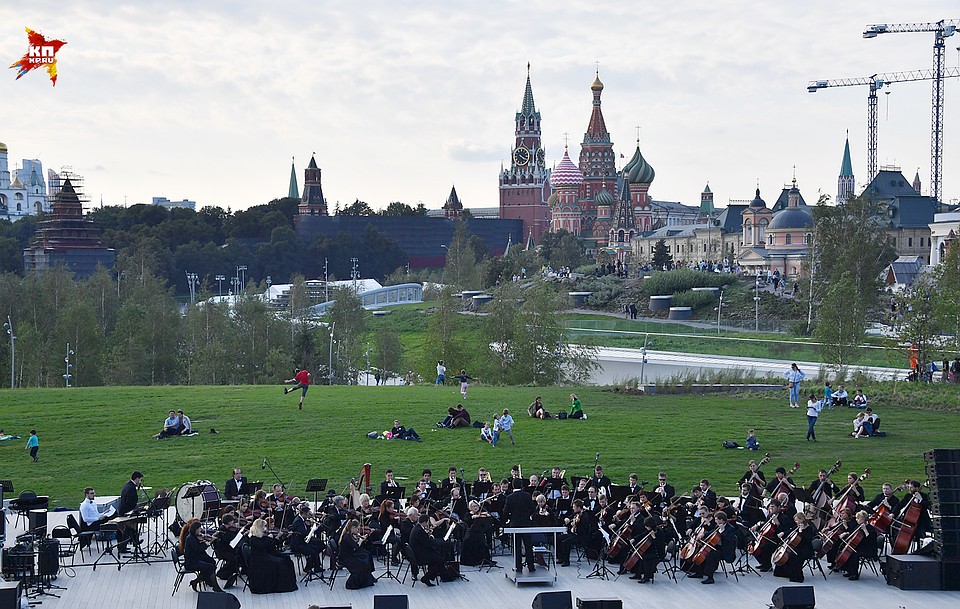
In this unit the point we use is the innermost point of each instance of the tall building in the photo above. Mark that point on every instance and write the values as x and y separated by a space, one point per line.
845 182
24 191
312 202
599 167
293 192
524 186
452 207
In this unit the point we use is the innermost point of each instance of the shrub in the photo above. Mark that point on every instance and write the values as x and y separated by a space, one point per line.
680 280
696 300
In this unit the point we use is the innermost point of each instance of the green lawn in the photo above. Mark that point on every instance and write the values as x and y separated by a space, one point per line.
97 436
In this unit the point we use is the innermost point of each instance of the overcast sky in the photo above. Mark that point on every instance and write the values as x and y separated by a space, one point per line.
209 100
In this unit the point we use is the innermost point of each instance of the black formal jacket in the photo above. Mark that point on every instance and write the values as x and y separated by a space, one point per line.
518 509
231 489
893 501
128 498
425 546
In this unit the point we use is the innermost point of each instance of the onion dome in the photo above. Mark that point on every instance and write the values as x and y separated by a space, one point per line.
757 202
16 184
3 147
792 218
638 170
605 198
566 174
597 85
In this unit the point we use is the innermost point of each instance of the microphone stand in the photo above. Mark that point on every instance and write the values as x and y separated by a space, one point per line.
266 464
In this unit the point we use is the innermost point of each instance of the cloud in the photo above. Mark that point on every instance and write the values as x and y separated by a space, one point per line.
474 152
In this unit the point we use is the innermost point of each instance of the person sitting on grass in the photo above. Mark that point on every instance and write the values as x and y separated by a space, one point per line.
861 426
171 426
461 418
486 434
399 432
840 397
536 409
859 400
874 420
186 428
752 442
451 412
576 408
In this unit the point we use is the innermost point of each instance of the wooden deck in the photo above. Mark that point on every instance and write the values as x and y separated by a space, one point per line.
148 586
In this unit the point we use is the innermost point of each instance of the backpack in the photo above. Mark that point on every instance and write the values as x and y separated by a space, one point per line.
562 414
730 444
450 571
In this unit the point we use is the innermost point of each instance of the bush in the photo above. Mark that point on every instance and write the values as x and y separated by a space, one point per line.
695 300
606 290
681 280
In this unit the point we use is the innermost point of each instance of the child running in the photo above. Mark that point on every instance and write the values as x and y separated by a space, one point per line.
463 377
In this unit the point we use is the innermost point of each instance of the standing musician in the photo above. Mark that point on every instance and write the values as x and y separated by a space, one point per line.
885 498
647 566
450 482
599 480
581 528
353 558
779 526
231 489
798 554
229 527
781 481
707 494
554 483
823 485
855 490
663 493
754 475
516 478
388 482
749 505
727 550
129 495
196 559
299 531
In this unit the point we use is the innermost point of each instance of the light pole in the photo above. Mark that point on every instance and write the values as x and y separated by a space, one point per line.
756 304
192 283
13 352
67 376
269 281
326 282
559 362
719 310
643 362
242 274
354 274
333 326
369 350
235 282
219 279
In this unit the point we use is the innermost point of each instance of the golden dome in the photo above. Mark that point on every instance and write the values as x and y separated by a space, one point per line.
597 85
3 147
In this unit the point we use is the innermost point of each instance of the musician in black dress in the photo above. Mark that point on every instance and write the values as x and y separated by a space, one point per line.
222 550
844 526
853 490
196 559
475 550
353 558
796 556
231 489
726 551
518 512
754 475
427 549
866 548
646 568
582 526
269 570
299 532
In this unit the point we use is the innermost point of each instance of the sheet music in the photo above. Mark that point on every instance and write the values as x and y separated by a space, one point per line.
110 511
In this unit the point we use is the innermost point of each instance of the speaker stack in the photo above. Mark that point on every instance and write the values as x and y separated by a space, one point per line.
943 471
390 601
794 597
553 600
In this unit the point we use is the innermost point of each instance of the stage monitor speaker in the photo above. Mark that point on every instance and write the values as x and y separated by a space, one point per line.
37 521
553 600
913 572
217 600
599 603
390 601
793 597
10 594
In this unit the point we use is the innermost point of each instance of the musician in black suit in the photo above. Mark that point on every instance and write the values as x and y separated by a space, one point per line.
634 487
449 482
646 568
727 551
822 486
518 512
231 490
388 482
781 527
599 480
707 494
885 498
582 526
663 493
312 549
427 549
923 522
129 495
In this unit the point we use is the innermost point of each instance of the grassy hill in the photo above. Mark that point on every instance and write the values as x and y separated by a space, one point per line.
97 436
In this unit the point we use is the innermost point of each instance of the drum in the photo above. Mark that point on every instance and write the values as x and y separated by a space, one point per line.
203 505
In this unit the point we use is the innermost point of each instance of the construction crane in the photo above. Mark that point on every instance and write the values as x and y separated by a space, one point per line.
877 82
941 29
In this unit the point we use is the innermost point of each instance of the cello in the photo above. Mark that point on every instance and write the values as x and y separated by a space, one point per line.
767 534
789 546
883 516
640 549
907 526
850 544
845 501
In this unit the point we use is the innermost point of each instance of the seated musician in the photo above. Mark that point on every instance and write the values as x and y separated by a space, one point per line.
388 482
389 517
90 516
781 480
803 550
591 502
885 498
426 477
864 548
915 496
336 515
543 516
562 504
754 475
553 484
844 526
355 559
581 525
625 524
727 550
841 397
367 512
269 570
749 505
229 528
483 480
312 550
788 507
823 485
599 480
769 534
634 487
427 549
195 558
516 480
646 567
171 426
475 549
663 493
456 504
279 502
707 494
231 490
449 482
724 505
533 484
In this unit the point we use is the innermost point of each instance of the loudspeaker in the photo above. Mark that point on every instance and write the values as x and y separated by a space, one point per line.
390 601
793 597
599 603
553 600
217 600
913 572
37 521
950 574
10 593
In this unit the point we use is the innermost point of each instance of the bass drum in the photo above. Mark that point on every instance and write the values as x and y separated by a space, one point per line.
203 505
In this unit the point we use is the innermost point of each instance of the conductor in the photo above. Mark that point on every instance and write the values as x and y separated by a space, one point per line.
518 512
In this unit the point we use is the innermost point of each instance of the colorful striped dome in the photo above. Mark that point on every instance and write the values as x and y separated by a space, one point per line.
566 174
638 170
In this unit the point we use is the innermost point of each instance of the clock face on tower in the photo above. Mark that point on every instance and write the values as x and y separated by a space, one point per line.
521 156
540 157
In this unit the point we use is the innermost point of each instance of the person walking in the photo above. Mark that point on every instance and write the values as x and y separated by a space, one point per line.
506 424
814 406
33 445
794 375
441 374
302 380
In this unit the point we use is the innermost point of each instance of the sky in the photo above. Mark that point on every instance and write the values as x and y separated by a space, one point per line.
399 100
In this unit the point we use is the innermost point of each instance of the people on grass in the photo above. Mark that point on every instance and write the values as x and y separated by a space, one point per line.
33 445
859 400
506 425
441 374
536 409
302 380
576 408
814 406
752 442
794 376
171 426
841 397
463 377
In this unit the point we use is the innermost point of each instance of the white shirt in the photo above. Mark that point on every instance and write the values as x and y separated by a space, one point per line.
794 376
89 511
186 422
840 394
814 408
441 370
506 422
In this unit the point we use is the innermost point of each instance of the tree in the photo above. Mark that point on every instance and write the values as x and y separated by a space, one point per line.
561 248
349 324
461 267
661 255
396 208
919 326
499 330
388 352
443 341
946 298
357 208
838 329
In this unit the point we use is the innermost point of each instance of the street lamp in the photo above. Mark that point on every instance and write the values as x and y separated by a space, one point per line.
559 362
67 376
333 326
192 283
643 362
235 282
219 279
269 282
369 351
13 352
719 310
756 304
242 274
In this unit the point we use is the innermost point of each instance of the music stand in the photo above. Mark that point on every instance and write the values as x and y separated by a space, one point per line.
6 486
316 486
158 513
482 488
249 488
803 495
385 542
396 493
618 493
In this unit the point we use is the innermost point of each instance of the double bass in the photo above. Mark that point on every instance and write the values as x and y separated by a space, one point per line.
783 486
845 501
820 498
756 481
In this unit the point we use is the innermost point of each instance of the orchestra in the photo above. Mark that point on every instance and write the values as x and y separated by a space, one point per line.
777 524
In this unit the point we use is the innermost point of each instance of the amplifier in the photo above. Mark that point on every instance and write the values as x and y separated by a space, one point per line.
913 572
10 594
599 603
794 597
553 600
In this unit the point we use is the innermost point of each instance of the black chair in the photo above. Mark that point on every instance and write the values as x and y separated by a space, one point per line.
413 567
22 506
84 538
68 545
181 570
333 550
245 553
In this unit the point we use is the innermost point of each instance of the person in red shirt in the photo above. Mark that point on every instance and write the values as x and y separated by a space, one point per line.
302 380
